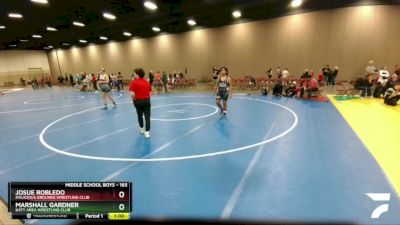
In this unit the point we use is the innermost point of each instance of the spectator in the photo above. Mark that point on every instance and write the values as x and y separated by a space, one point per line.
326 71
306 73
365 86
371 69
285 74
309 87
269 73
391 82
165 81
151 77
71 80
320 77
66 78
397 70
279 72
94 83
120 83
392 95
49 81
278 87
334 74
215 73
60 81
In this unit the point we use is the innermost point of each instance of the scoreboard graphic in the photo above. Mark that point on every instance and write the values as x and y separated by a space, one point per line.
70 200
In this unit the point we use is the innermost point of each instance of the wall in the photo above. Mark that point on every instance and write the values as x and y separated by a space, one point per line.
15 64
346 37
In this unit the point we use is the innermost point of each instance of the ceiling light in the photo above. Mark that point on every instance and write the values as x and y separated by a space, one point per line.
109 16
191 22
36 36
46 48
150 5
296 3
79 24
40 1
127 34
237 14
50 46
156 29
2 27
15 15
65 44
51 29
82 41
13 46
23 40
103 38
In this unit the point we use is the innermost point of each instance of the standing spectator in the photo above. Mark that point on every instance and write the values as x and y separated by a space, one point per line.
60 81
279 72
269 73
140 91
66 78
71 80
371 69
165 81
320 77
94 83
215 72
326 71
120 83
49 81
285 74
151 77
334 74
114 81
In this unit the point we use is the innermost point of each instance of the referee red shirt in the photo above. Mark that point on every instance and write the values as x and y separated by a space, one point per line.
141 87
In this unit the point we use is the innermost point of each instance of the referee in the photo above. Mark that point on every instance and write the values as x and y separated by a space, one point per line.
140 91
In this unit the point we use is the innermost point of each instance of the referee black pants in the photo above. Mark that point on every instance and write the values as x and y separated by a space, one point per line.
143 109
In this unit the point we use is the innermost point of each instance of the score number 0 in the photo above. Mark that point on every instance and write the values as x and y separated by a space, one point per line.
121 194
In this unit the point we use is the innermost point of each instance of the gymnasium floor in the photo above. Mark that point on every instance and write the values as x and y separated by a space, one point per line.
270 158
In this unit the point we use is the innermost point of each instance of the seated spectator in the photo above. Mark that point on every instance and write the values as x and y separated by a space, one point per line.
391 81
309 87
290 91
264 90
379 90
306 73
397 70
278 88
392 95
365 86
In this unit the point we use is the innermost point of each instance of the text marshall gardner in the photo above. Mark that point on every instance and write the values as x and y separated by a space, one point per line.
47 204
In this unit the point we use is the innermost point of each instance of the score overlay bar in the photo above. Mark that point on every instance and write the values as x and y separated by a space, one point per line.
70 200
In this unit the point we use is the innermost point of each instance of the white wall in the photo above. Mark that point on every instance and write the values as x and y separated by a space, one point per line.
347 37
22 63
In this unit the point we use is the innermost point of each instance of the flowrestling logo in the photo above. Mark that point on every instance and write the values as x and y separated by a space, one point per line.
379 197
